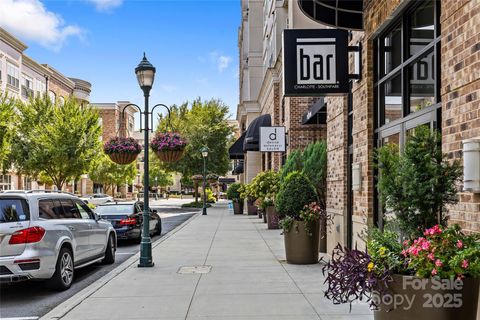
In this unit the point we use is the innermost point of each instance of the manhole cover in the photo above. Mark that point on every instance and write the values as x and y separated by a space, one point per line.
194 269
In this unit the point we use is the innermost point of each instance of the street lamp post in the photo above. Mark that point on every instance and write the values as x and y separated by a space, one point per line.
204 155
145 73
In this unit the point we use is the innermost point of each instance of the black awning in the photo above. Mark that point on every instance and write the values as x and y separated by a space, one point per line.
343 14
236 150
238 169
252 136
227 180
316 114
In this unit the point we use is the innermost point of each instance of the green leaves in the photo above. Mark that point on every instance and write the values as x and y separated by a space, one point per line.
7 122
57 142
295 193
110 174
419 184
203 124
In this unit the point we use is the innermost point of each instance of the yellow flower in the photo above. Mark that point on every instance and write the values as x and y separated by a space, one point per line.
370 266
382 251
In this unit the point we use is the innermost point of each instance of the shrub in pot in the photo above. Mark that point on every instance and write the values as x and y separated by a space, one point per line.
300 232
264 187
437 267
248 193
234 194
212 177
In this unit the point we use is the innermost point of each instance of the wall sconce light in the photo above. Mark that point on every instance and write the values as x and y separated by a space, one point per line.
471 165
356 177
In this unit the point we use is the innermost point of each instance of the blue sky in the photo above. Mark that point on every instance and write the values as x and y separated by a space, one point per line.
193 44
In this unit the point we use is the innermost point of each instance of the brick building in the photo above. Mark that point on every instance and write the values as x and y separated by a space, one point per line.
22 77
420 63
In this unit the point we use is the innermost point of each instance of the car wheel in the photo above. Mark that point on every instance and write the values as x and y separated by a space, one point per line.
110 251
63 277
158 227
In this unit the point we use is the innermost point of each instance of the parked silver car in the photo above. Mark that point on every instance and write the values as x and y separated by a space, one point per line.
97 198
47 235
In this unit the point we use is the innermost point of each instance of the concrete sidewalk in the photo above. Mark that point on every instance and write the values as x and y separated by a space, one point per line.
248 279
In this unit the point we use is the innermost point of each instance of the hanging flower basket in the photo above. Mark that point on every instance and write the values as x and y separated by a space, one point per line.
212 177
197 177
122 150
168 146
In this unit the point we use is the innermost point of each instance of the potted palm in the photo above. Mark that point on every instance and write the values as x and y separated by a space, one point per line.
122 150
168 146
234 194
300 225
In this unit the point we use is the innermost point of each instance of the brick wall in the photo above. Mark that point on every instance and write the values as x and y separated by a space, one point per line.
60 89
460 93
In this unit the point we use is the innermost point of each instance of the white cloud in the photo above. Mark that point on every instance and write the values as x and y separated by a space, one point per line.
223 62
106 5
30 20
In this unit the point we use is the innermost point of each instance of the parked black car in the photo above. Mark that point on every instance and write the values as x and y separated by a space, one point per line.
126 218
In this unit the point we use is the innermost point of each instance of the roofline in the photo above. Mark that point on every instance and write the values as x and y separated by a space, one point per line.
12 40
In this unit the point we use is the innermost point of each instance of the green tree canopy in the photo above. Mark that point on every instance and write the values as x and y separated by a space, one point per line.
110 174
203 124
163 178
7 120
60 142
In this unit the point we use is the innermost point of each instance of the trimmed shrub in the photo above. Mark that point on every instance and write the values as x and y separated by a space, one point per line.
295 193
233 192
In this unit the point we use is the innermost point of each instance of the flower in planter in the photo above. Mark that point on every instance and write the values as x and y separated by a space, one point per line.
122 150
122 145
234 192
168 141
212 177
313 212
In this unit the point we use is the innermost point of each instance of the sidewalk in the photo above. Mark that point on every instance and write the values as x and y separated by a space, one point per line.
248 279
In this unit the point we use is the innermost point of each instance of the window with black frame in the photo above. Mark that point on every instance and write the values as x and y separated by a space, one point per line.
407 82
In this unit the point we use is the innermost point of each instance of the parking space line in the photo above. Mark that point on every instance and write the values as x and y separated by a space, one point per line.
20 318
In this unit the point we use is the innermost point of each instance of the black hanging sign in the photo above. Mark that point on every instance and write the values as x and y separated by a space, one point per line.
315 62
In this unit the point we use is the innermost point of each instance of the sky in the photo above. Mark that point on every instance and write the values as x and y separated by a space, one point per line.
192 44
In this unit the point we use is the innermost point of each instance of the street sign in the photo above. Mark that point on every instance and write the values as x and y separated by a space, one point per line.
272 139
315 62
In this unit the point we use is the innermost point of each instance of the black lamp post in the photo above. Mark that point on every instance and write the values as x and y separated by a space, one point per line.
145 72
204 155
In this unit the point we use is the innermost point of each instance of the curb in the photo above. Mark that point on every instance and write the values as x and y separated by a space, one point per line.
65 307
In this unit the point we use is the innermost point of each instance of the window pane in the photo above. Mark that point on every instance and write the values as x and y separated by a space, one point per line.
392 99
421 27
70 209
13 210
422 83
392 50
393 139
83 209
46 209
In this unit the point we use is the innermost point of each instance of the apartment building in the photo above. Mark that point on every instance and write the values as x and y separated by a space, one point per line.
262 100
22 77
417 64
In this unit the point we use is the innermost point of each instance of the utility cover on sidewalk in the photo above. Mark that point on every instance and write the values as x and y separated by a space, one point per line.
194 269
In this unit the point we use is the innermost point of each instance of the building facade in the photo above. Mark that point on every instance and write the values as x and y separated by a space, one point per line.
420 63
22 77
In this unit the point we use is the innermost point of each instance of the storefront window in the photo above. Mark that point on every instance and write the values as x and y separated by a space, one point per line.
5 182
392 49
422 83
421 27
392 99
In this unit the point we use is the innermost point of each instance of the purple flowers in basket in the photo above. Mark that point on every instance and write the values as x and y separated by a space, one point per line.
122 145
168 141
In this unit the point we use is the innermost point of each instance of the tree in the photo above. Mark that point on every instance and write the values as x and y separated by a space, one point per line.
204 124
110 174
294 163
419 184
315 168
7 115
156 171
60 142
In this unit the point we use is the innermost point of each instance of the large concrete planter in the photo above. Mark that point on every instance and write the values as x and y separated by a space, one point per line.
410 298
251 208
237 207
272 218
300 247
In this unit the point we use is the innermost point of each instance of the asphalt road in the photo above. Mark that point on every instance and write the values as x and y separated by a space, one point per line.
31 300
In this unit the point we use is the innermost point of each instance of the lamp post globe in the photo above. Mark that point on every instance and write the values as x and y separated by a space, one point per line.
145 72
204 155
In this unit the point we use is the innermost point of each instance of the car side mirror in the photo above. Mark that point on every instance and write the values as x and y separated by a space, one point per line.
97 216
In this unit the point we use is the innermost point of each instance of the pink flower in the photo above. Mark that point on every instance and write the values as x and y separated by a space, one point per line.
404 253
438 263
434 272
425 245
405 243
459 244
465 264
431 256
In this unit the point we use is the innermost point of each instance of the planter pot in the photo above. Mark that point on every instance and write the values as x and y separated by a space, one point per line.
169 155
212 180
301 248
272 218
260 213
432 299
123 158
251 208
264 216
237 207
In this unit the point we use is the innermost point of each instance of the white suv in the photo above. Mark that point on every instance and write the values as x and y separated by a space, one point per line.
48 235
